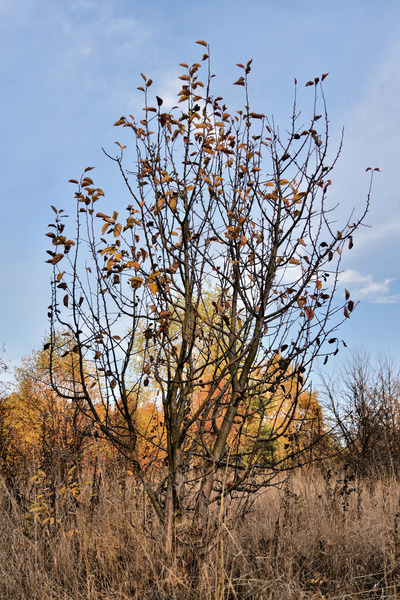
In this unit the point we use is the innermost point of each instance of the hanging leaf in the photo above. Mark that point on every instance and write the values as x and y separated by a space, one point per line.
309 312
301 301
153 287
136 282
56 259
202 43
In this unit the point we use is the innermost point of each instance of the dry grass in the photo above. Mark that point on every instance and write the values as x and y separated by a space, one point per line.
318 538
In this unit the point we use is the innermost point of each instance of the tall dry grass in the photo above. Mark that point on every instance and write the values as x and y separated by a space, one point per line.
319 537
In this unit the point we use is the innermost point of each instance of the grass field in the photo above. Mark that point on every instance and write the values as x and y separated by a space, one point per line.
321 536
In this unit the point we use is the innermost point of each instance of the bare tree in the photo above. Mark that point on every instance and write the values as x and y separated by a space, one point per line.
364 399
215 290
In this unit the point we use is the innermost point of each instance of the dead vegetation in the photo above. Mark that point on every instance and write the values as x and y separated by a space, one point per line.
324 535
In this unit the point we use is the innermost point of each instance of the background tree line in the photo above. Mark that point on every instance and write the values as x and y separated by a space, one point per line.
353 419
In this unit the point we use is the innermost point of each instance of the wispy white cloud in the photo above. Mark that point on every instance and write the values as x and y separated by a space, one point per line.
388 229
366 288
372 123
169 87
87 39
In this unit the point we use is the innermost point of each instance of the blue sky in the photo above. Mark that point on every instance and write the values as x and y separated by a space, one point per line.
69 69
